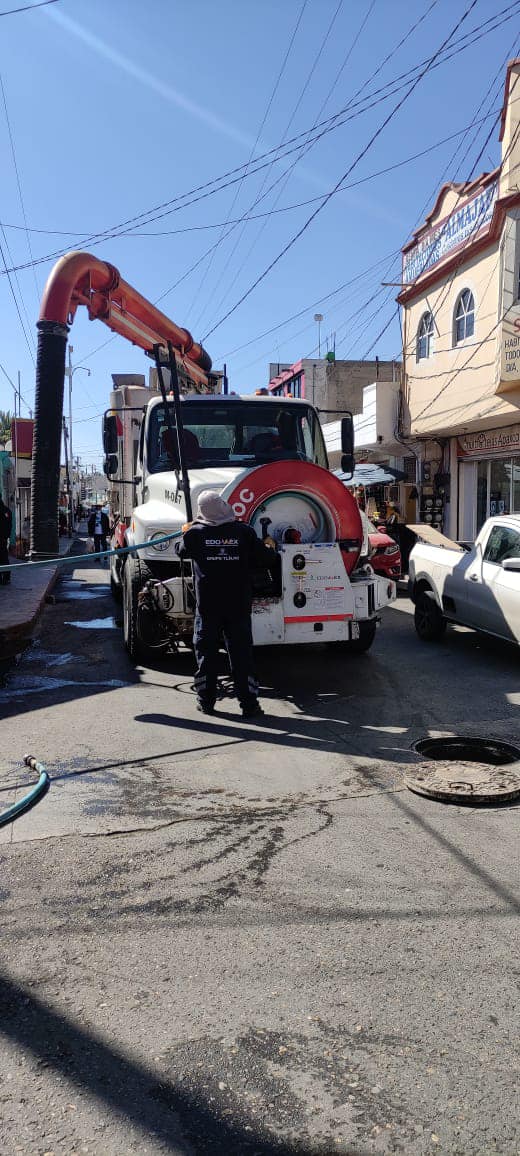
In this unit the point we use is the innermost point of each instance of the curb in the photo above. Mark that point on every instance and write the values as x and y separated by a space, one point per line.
13 637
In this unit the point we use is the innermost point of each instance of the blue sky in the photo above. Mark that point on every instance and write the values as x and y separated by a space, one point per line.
116 108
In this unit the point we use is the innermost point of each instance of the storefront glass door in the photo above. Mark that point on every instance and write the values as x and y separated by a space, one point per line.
482 493
500 488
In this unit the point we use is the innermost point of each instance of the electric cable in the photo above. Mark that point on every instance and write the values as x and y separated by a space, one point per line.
260 195
19 185
285 176
27 7
310 144
258 135
154 214
343 178
448 286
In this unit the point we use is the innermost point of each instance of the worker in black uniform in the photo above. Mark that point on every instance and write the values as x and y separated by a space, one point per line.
224 553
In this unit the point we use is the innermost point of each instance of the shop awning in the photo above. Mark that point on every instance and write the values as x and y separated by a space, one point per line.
368 474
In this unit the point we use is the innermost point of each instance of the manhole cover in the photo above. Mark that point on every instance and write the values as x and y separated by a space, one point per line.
466 770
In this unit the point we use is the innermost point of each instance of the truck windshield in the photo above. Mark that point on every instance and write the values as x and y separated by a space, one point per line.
234 433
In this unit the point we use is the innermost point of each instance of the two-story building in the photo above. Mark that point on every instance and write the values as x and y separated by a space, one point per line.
461 341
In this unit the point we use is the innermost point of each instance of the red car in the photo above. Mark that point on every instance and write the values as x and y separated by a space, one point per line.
385 555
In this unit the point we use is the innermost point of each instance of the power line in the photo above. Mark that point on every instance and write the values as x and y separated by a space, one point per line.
310 144
306 148
329 125
18 182
27 7
260 194
258 135
2 255
342 179
496 78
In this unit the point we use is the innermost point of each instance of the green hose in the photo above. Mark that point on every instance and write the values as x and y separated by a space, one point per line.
66 559
32 796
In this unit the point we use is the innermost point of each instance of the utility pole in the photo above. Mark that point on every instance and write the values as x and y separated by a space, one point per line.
70 370
318 317
67 473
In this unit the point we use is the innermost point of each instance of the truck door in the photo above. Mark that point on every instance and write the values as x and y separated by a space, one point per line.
501 588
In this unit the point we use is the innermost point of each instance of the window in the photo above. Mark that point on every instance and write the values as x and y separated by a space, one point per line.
425 336
502 543
233 433
464 316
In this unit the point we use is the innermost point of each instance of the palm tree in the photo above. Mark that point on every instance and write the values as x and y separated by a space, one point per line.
5 425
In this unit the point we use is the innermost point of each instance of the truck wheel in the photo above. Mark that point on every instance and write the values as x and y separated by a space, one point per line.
367 633
135 574
429 621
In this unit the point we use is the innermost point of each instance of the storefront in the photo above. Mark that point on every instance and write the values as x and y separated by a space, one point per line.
489 477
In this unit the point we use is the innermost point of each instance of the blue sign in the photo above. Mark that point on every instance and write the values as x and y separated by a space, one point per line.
462 225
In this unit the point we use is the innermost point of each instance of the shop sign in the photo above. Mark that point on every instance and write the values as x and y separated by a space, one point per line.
466 222
495 441
22 430
510 348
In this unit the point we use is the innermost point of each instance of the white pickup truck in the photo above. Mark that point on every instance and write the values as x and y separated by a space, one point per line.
477 586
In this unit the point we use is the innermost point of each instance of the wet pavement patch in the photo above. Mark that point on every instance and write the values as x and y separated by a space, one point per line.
95 624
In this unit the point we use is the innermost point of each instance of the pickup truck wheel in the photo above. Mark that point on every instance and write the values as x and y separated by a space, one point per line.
135 574
429 621
367 633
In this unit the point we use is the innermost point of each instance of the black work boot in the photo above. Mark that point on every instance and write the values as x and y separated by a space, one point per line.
251 709
205 707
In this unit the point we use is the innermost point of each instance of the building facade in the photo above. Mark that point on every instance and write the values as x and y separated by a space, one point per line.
460 405
333 387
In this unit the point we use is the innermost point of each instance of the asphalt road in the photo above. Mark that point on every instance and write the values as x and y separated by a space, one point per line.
234 938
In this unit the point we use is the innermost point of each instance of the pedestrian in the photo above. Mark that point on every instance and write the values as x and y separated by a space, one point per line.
6 524
394 517
98 528
224 553
26 534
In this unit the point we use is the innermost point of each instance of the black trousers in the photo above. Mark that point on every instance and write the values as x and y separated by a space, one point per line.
5 576
207 635
100 543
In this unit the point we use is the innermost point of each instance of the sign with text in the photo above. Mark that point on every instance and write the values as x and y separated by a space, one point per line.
510 349
464 224
494 441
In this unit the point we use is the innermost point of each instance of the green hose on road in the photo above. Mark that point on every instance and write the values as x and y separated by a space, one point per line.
32 796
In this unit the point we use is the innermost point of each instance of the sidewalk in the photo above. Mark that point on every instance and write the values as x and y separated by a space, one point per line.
22 601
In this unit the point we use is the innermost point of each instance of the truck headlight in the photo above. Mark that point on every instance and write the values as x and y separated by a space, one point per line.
392 549
160 547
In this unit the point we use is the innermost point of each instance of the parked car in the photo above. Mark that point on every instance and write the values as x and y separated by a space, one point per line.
477 586
384 553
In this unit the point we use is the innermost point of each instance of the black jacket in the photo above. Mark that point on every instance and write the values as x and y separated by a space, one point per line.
223 560
105 524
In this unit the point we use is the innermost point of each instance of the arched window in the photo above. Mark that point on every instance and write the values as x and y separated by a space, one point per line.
464 318
425 336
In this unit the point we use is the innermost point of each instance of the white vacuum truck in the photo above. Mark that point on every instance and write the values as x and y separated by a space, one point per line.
266 456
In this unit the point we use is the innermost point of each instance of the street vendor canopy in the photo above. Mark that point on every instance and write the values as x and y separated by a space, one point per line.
368 474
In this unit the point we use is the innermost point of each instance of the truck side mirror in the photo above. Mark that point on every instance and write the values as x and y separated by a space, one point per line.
347 444
110 465
110 435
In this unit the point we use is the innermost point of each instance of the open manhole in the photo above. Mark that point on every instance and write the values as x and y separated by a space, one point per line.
466 770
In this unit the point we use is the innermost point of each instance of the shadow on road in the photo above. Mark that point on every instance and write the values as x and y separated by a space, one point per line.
181 1118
